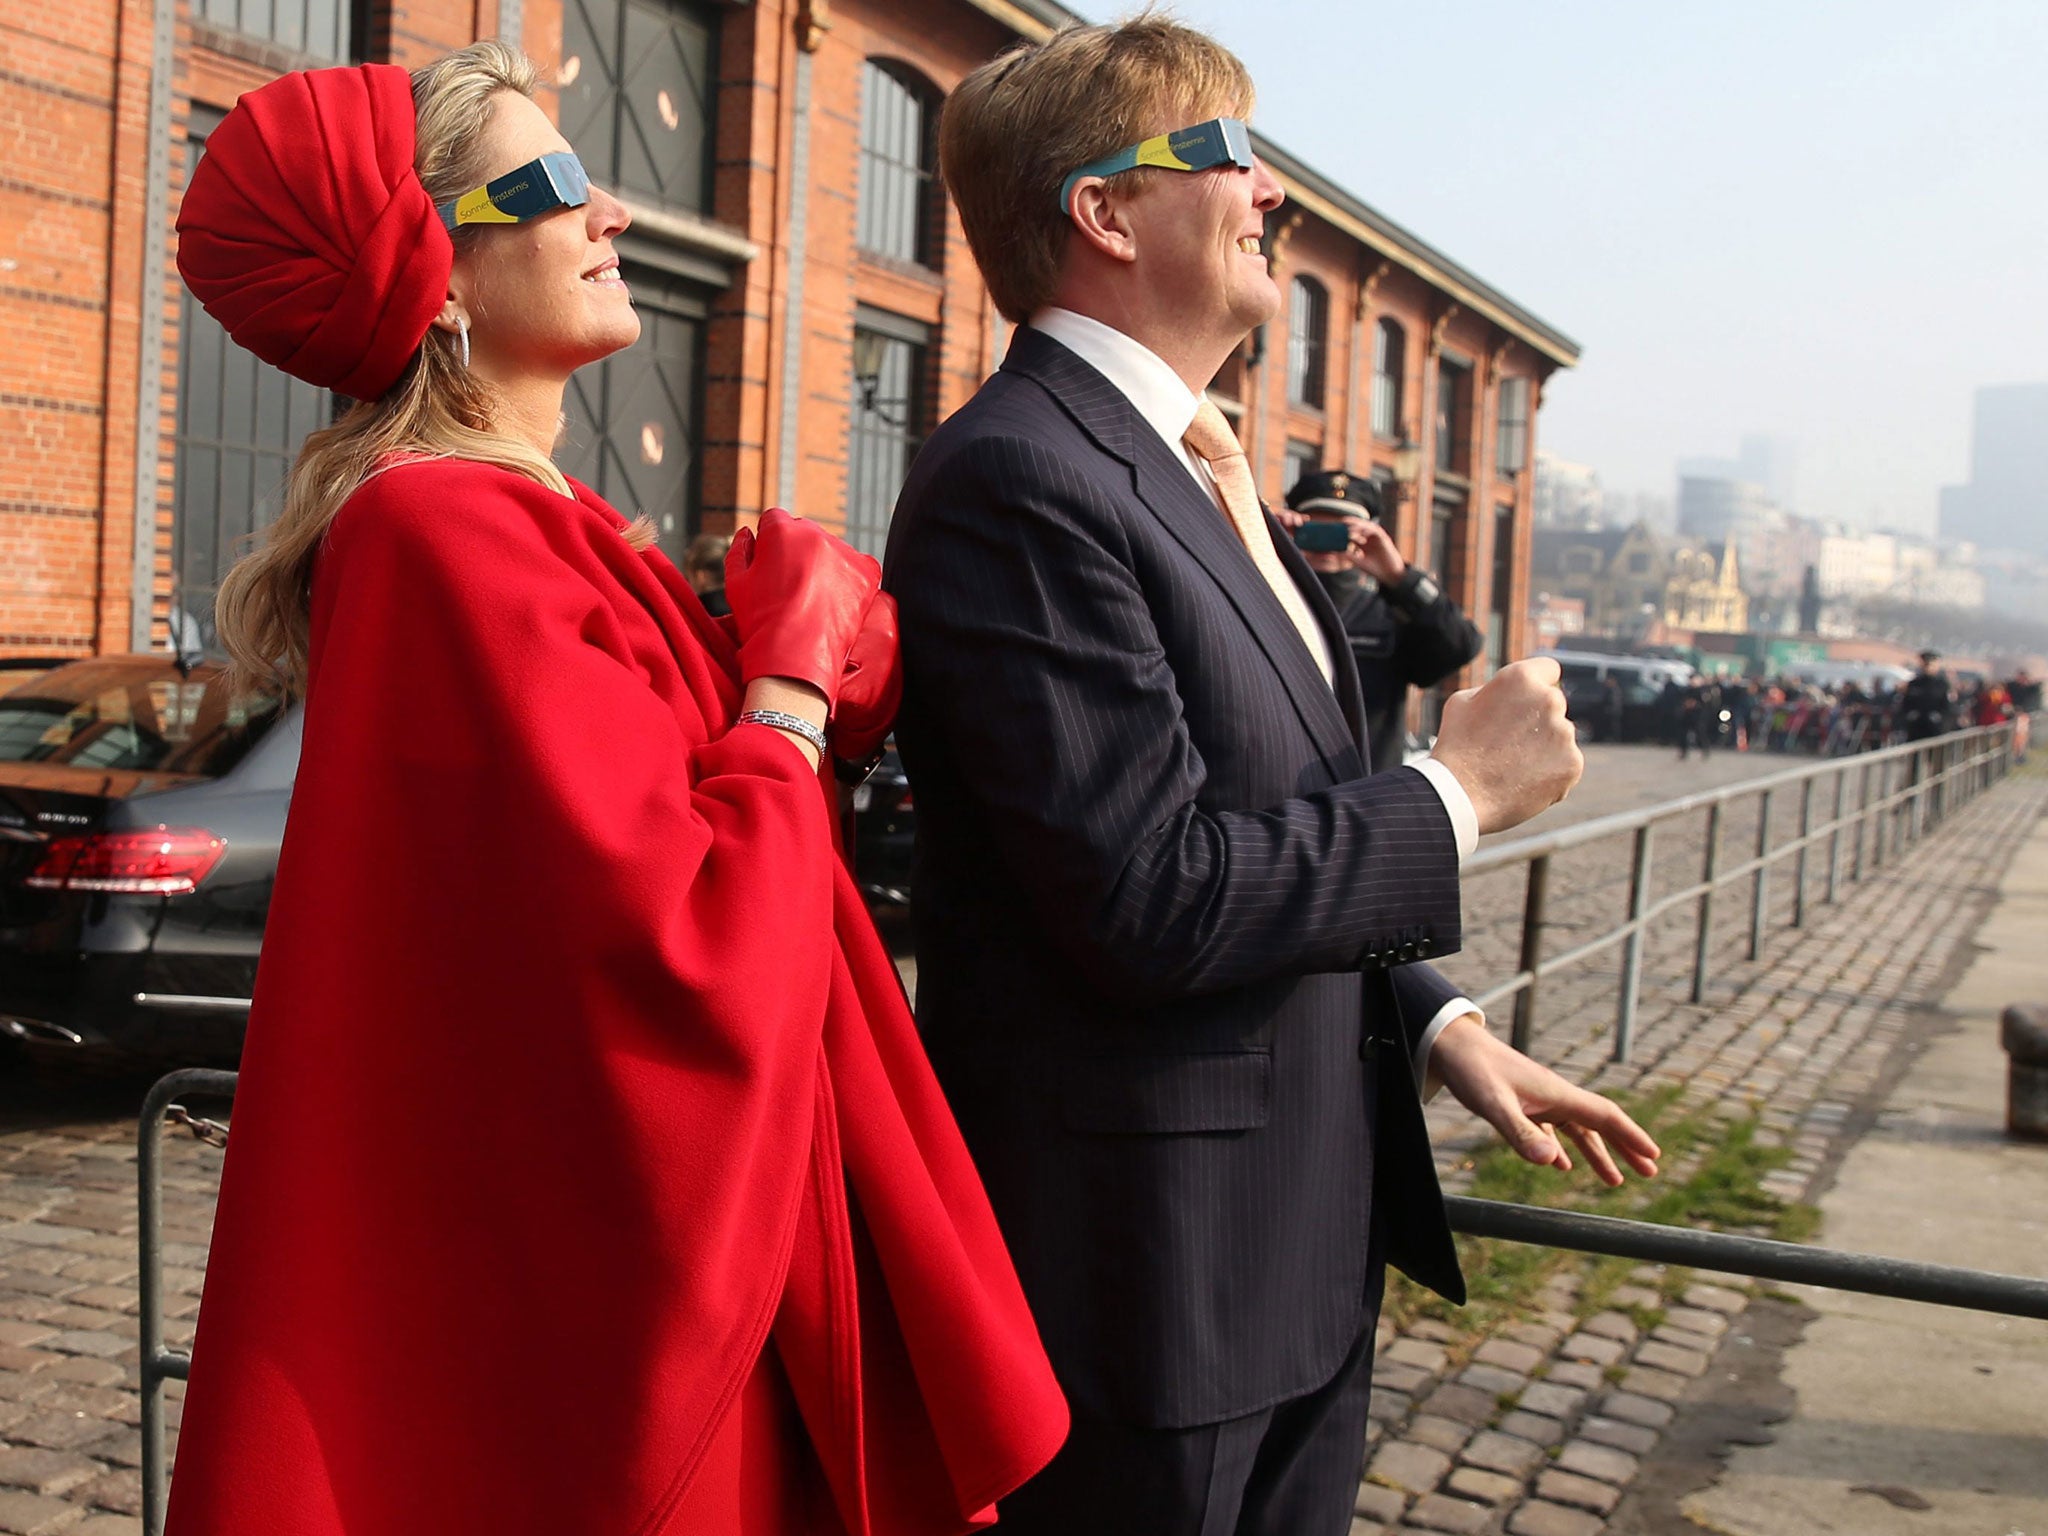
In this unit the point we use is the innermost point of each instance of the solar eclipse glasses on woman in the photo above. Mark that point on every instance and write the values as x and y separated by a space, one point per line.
1220 141
537 187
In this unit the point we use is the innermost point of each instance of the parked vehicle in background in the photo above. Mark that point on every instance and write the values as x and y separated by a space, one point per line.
883 841
1584 675
141 812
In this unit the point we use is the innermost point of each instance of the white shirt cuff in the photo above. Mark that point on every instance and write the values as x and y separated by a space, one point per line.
1457 1007
1464 820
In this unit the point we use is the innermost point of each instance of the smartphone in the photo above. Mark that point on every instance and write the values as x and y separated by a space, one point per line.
1323 538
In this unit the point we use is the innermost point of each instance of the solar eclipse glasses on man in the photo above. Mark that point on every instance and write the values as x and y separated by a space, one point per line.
537 187
1220 141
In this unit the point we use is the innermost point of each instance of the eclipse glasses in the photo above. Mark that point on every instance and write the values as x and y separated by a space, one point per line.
537 187
1220 141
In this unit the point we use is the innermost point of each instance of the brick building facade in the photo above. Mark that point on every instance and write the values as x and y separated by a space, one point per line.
810 308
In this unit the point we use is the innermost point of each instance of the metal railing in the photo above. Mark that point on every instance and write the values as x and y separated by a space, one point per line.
1900 794
1761 1258
159 1364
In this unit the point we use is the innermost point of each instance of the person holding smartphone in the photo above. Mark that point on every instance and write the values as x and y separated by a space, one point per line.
1405 631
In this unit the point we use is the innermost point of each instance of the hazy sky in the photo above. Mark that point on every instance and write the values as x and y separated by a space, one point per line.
1824 219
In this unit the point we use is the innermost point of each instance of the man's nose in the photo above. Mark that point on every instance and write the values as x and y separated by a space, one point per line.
1267 193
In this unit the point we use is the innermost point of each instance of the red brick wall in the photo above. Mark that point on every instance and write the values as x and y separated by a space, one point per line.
941 41
73 295
58 103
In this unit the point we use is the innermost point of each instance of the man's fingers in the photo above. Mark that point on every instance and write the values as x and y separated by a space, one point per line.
1532 1143
1597 1155
1602 1115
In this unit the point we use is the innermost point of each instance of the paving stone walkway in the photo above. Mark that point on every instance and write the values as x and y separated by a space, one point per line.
1540 1428
1535 1431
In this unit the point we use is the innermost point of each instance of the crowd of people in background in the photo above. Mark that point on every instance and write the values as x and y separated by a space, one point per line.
1788 715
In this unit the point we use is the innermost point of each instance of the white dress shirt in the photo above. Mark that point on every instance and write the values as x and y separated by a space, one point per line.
1166 404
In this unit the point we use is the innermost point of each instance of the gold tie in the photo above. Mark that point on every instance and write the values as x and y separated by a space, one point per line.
1211 439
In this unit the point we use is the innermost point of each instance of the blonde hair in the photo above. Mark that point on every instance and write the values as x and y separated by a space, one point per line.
438 408
1018 126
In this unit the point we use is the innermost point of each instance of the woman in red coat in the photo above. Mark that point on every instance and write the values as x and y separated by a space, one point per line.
587 1179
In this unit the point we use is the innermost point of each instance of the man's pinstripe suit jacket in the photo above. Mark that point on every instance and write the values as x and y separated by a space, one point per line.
1165 922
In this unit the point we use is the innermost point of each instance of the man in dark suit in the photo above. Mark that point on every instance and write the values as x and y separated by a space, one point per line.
1404 629
1166 924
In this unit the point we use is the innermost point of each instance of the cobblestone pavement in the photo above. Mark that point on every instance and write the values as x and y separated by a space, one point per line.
1536 1431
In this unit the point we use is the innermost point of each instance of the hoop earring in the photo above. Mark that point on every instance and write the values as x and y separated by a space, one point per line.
462 330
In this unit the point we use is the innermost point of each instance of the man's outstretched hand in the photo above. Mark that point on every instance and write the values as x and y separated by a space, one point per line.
1528 1104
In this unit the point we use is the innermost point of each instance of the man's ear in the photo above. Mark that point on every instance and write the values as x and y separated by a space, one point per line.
1102 219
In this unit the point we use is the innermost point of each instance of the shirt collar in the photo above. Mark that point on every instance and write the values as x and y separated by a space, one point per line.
1156 392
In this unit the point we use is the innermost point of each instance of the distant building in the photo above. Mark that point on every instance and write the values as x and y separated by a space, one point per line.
1704 590
1724 510
2005 504
1854 565
1773 463
1568 495
1554 621
1945 586
1619 574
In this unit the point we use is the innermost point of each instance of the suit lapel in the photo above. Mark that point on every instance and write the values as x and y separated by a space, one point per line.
1346 683
1171 494
1163 484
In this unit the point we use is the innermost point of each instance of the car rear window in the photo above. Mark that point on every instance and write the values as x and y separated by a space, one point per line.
133 713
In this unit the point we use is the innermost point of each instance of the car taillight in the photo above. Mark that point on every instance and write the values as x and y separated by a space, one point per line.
163 861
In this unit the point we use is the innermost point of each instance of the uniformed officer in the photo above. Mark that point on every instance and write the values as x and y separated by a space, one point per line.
1404 631
1927 702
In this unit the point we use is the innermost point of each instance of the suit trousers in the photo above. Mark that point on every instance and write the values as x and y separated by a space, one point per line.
1288 1470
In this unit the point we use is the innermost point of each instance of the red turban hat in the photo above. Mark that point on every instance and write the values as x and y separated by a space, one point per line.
306 232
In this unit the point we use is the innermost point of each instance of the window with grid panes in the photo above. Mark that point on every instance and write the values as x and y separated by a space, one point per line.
1514 426
1452 384
1389 357
1308 321
885 421
898 159
319 29
239 426
1302 459
637 85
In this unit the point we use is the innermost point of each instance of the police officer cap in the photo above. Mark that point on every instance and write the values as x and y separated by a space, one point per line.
1336 490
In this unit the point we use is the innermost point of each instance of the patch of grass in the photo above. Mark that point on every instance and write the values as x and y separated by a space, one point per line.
1714 1171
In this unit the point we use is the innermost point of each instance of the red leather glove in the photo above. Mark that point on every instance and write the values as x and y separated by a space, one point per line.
798 597
873 686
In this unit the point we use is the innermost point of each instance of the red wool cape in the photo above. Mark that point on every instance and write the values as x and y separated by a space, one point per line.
575 1067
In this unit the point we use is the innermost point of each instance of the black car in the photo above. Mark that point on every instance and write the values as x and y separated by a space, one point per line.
140 814
141 811
883 839
1645 715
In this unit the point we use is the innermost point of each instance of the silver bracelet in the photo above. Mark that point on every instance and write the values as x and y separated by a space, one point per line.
782 720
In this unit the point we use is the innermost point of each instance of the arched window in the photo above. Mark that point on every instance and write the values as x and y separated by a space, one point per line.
899 153
1308 324
1389 360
